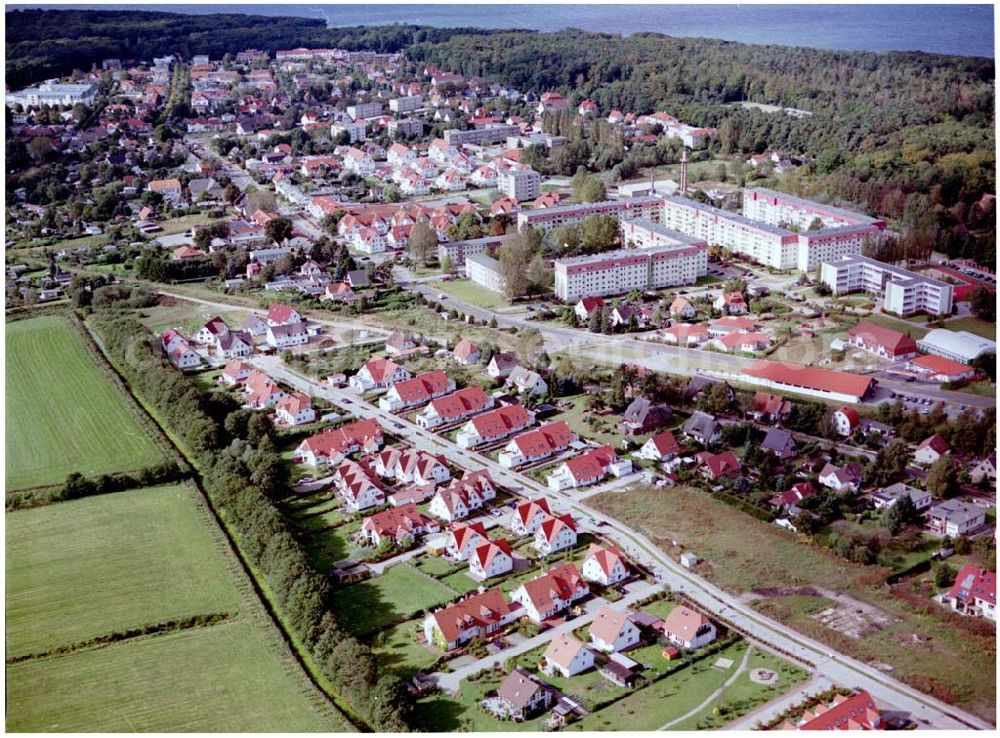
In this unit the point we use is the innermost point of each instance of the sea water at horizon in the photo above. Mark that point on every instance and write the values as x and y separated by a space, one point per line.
948 29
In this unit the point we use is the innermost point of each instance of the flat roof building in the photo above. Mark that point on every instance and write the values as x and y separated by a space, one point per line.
545 219
485 271
903 292
960 346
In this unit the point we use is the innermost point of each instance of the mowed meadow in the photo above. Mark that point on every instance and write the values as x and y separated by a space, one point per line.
63 415
86 577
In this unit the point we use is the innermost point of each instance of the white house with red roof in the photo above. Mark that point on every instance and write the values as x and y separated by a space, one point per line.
179 351
535 445
358 485
463 496
882 342
939 369
295 409
974 592
556 533
613 630
586 306
718 466
686 334
416 391
261 391
210 332
494 426
588 468
688 629
746 343
661 447
841 479
792 496
378 373
604 565
856 712
551 593
454 407
528 516
472 617
338 292
930 450
466 352
236 372
332 445
730 324
567 656
399 524
846 420
490 559
464 538
411 466
280 314
731 303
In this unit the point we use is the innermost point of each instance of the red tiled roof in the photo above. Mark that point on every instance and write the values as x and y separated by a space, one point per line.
973 582
501 420
464 401
934 442
605 556
894 342
280 313
665 443
478 610
591 464
940 365
825 380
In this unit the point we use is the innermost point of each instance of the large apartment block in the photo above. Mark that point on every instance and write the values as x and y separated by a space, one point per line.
664 258
488 136
520 184
545 219
406 104
361 111
485 271
458 251
903 292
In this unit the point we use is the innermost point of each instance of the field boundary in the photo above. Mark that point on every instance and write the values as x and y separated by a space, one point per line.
262 608
149 630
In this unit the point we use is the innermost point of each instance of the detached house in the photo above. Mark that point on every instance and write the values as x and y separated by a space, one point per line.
661 447
642 417
295 409
490 559
331 446
604 565
954 518
501 365
841 479
719 466
588 468
399 344
236 372
682 308
688 629
567 656
523 696
779 443
551 593
768 408
975 592
556 533
528 516
288 334
930 450
703 428
883 342
279 314
526 382
612 631
358 485
586 306
466 352
464 539
377 374
472 617
463 496
731 303
846 420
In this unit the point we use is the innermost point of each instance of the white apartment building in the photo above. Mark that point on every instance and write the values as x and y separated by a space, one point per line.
545 219
484 271
903 292
357 131
488 136
360 111
520 184
406 104
777 208
53 93
406 126
624 270
458 251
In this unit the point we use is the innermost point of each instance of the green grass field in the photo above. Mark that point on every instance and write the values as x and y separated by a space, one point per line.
219 678
973 324
470 292
369 606
102 564
62 414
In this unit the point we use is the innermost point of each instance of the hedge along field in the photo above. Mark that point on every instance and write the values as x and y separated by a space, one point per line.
221 678
103 564
63 415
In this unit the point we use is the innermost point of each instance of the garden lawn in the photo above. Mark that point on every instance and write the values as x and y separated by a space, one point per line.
90 567
973 324
400 592
399 651
221 678
468 291
63 415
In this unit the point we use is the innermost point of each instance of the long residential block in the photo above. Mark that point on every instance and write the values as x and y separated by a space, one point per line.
903 292
545 219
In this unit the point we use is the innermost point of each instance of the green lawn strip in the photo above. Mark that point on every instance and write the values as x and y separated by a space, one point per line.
399 593
399 651
63 415
439 713
103 564
220 678
468 291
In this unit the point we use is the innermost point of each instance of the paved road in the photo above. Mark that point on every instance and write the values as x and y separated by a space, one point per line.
712 697
828 663
450 681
